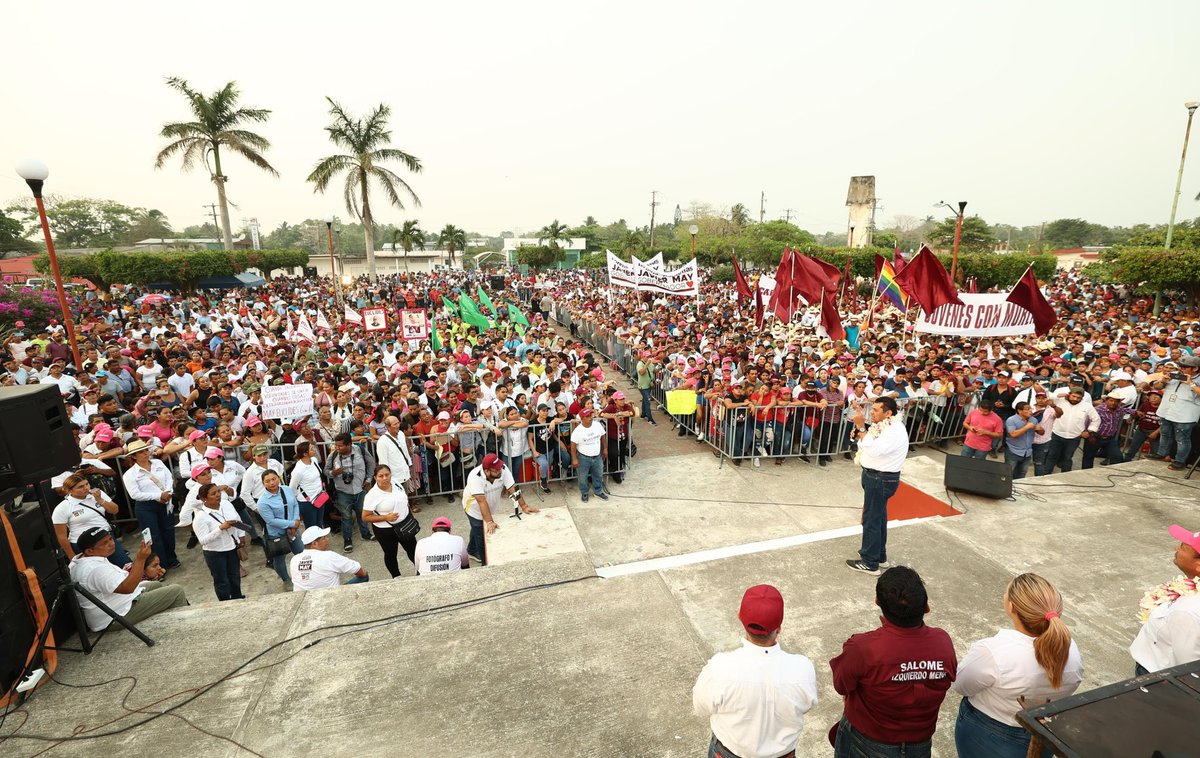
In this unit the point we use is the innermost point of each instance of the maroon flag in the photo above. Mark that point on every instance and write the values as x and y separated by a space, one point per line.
783 296
758 307
743 288
810 276
898 262
879 261
1029 296
848 285
830 318
973 285
926 281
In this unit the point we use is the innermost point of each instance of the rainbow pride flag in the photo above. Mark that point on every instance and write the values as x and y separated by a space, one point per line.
888 288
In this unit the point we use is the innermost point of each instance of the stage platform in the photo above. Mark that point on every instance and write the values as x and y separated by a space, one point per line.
587 637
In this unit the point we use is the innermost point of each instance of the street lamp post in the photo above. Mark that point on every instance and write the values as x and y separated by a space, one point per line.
693 230
333 277
35 173
1187 133
962 207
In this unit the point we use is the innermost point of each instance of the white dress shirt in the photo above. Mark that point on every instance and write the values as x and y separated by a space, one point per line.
887 451
207 526
755 698
141 484
1171 636
1074 419
393 452
252 486
1000 670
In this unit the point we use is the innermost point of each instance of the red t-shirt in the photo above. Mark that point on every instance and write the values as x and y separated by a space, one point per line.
894 680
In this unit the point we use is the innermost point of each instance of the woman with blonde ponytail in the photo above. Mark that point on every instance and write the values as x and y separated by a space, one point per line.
1033 663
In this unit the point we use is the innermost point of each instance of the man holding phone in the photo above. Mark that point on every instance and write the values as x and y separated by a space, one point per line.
122 591
1179 410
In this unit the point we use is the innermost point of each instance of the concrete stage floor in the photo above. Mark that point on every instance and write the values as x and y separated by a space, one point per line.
541 656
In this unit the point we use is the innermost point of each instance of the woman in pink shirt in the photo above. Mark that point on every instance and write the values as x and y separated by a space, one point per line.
983 426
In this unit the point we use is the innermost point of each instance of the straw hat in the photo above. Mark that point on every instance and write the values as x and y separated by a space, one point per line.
136 446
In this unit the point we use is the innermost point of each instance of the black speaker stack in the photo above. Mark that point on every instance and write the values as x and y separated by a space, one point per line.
496 283
978 476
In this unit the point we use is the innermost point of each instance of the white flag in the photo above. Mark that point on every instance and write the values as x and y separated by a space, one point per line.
288 332
321 322
252 338
352 316
620 273
253 321
303 324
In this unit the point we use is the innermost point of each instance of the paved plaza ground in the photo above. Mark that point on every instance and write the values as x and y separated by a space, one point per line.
588 636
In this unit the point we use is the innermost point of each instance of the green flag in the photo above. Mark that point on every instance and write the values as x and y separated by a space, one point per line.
484 300
435 341
520 329
470 313
515 315
449 304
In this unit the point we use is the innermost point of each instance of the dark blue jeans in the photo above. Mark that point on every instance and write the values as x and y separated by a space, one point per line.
977 735
852 743
1041 456
475 545
591 467
1137 439
1095 446
878 488
280 562
226 573
1019 464
647 404
1062 453
970 452
740 436
312 516
152 515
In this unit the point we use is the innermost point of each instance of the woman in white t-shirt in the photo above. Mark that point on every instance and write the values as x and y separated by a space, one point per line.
82 509
148 372
386 507
1029 665
307 483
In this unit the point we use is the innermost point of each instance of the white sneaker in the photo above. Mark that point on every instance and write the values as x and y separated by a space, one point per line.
700 437
757 463
762 450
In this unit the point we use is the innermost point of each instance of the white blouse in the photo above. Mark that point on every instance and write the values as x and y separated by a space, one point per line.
306 480
999 671
382 503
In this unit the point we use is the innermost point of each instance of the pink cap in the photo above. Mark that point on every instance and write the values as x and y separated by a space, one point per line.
598 372
104 435
199 469
441 522
253 420
213 453
197 434
618 396
430 384
1191 539
145 431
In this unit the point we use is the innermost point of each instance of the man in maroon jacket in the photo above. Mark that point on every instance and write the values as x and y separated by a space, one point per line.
895 677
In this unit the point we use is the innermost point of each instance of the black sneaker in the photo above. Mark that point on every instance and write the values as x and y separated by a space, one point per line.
584 498
545 488
348 547
369 537
858 565
602 496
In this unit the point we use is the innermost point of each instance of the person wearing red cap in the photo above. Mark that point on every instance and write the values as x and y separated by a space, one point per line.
755 697
1170 614
485 485
441 551
586 444
895 677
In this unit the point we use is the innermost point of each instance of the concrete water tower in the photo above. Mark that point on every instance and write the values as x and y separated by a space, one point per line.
860 199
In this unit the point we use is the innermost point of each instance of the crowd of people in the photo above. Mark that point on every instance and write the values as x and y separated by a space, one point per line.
168 409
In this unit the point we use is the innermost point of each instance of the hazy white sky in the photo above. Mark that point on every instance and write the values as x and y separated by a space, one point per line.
524 112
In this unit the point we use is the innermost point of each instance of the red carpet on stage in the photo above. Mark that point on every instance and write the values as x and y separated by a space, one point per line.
910 502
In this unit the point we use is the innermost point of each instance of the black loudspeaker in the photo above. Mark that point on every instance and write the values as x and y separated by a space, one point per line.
310 272
19 629
35 438
496 283
978 476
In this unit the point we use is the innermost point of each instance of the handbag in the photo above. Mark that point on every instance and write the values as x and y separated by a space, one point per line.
409 526
320 500
281 545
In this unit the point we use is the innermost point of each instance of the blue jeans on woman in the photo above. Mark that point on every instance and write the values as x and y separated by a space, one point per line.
977 735
852 743
878 488
280 562
312 515
152 515
226 572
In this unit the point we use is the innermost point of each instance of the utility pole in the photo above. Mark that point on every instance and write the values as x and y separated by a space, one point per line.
787 214
212 209
762 206
653 205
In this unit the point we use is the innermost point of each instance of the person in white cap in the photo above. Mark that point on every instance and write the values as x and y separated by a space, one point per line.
317 567
1122 387
441 551
755 697
1170 613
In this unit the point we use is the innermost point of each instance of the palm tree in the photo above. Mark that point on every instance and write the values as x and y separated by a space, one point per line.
217 123
450 239
632 241
409 237
366 140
